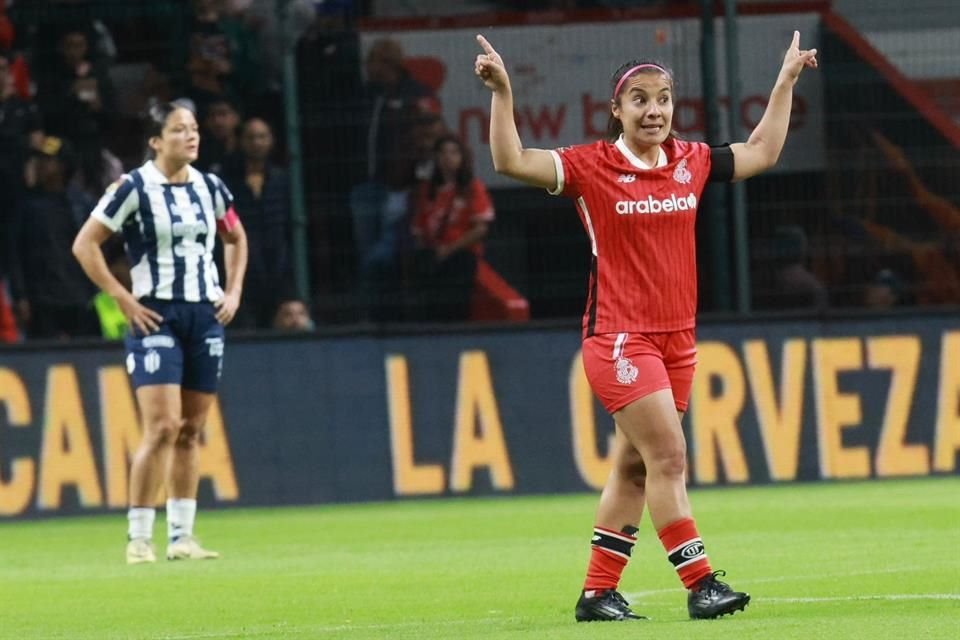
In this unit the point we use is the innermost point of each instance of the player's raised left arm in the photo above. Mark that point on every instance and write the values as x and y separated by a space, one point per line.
762 149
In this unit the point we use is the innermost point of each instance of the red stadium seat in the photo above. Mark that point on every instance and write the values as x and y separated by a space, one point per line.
494 300
428 71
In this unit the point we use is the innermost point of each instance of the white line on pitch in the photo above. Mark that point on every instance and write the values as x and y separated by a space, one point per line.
316 629
769 579
888 596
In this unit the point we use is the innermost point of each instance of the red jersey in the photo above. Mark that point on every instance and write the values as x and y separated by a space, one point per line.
640 220
449 216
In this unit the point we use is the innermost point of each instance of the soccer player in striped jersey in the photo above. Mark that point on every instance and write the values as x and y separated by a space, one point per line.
168 213
637 195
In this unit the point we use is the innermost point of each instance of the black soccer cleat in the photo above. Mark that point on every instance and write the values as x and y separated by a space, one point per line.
607 606
712 598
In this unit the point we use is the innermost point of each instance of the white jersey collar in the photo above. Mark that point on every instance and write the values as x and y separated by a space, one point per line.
637 162
152 173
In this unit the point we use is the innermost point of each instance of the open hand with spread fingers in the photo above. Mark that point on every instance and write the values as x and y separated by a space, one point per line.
796 59
489 66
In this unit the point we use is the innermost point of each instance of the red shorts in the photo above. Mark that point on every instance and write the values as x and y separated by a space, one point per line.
623 367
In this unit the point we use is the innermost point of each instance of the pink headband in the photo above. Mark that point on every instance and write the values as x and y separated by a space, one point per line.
631 71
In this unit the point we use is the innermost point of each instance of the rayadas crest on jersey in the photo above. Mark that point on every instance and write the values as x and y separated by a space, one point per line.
654 205
188 232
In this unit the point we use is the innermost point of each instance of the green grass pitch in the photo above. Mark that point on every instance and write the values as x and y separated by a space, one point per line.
870 560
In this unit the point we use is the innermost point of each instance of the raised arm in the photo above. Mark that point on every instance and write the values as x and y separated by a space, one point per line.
762 149
533 166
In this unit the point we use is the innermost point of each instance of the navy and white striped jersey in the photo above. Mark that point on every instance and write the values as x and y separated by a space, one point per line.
169 230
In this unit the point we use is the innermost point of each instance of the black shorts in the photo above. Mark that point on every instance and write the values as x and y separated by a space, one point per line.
186 350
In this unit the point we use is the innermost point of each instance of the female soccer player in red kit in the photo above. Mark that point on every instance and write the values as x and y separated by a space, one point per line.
637 196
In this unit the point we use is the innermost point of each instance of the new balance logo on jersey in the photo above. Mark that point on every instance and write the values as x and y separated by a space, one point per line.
627 177
653 205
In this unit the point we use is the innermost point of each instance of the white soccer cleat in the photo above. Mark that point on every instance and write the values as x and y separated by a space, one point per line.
140 551
187 548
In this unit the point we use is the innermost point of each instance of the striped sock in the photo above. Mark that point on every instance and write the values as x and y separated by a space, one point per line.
140 523
685 551
181 513
611 551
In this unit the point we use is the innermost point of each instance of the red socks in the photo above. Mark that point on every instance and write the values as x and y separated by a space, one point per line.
685 550
611 551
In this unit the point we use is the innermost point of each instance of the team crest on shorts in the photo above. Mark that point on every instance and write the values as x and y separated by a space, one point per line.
151 361
681 174
626 372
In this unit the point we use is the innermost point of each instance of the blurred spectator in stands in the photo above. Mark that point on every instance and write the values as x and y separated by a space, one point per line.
292 315
221 135
222 58
428 128
52 295
20 129
884 291
379 206
10 147
261 197
394 102
19 73
452 214
936 261
9 333
77 99
6 28
794 286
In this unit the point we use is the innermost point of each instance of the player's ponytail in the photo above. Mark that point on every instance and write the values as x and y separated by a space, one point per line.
618 83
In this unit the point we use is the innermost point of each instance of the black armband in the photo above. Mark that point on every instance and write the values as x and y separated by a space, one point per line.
721 164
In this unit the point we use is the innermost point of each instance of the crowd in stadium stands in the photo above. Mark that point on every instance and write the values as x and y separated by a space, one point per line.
65 125
388 210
